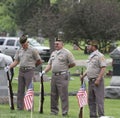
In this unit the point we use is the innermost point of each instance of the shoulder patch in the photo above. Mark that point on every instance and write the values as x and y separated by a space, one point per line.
102 58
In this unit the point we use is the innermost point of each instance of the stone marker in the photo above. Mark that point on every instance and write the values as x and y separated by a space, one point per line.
113 91
3 83
37 77
106 117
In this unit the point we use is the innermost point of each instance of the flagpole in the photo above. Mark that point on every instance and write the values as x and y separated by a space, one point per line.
31 113
83 112
32 109
32 102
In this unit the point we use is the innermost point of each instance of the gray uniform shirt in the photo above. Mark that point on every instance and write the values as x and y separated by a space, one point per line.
59 60
28 57
96 61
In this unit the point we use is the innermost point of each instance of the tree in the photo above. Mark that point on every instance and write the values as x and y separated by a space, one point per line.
24 10
47 21
89 19
6 22
93 19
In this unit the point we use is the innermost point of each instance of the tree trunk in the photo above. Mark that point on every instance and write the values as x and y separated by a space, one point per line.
51 43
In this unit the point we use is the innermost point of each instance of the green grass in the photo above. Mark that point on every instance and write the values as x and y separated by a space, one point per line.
111 105
111 109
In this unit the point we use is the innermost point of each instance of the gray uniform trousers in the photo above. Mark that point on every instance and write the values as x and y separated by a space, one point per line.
59 88
24 80
96 98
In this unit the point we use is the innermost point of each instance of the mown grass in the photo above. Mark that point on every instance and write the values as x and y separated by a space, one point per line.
111 109
111 105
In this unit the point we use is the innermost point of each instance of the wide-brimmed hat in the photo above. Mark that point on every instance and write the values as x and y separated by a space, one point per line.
58 39
23 39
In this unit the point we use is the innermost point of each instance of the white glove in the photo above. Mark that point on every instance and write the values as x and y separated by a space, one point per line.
7 68
43 72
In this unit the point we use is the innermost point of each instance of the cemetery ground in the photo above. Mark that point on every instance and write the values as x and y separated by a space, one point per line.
112 106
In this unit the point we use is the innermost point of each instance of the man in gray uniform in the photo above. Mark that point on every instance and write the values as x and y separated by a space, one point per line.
27 57
60 61
95 72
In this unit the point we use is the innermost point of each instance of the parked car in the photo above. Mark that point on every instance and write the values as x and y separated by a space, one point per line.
43 50
0 51
9 46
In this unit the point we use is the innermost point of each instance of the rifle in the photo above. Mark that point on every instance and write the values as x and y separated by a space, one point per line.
10 92
81 109
42 94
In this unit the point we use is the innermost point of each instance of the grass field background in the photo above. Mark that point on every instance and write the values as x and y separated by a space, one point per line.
112 106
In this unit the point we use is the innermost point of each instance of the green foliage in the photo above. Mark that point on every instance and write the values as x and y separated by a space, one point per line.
53 1
24 10
7 24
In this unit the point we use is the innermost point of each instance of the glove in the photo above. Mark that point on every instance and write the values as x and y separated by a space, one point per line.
41 74
7 68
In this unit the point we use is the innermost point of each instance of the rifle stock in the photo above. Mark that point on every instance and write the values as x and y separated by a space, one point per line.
42 95
81 113
10 92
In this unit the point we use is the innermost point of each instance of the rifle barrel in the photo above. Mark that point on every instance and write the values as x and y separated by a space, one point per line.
10 92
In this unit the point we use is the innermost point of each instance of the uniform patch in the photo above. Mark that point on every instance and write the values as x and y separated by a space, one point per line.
102 58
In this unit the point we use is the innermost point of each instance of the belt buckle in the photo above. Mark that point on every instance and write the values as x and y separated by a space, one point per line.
63 72
92 79
25 68
57 74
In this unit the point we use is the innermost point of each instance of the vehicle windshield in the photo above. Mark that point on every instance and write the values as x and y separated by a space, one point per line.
33 42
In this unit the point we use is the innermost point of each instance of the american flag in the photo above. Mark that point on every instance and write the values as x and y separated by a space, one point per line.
82 97
29 98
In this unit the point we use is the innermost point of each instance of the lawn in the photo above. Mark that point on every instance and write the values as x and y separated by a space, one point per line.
111 105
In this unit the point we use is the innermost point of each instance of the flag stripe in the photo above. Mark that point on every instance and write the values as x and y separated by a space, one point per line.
28 99
82 98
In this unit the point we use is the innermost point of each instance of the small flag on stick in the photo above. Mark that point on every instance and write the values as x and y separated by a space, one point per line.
82 97
29 98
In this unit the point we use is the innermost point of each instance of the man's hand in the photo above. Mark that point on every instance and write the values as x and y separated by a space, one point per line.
7 68
97 82
81 78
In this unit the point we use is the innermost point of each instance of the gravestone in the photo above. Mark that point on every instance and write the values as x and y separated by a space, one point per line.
3 83
37 77
113 91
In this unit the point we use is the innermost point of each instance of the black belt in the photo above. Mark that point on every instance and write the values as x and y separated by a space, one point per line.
59 73
26 68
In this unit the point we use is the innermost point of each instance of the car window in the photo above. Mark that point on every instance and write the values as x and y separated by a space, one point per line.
33 42
10 42
18 44
2 41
